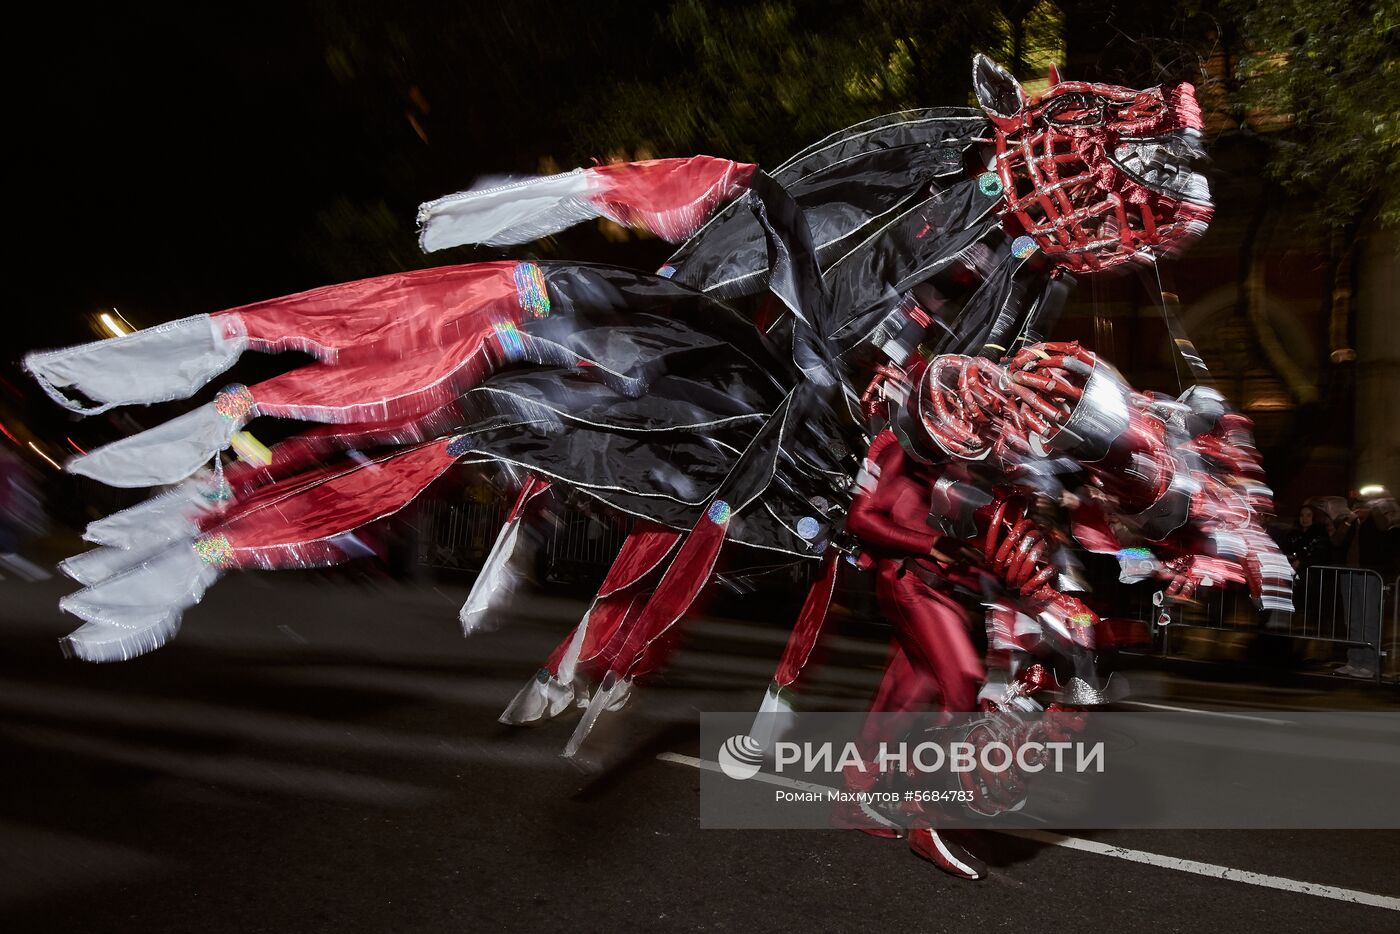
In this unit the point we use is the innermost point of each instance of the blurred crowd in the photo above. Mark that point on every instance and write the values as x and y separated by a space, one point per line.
1346 549
22 517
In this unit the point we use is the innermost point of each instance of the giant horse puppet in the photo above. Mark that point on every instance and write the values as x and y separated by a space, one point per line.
886 290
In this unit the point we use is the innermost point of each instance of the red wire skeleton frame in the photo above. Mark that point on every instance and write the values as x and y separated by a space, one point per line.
1067 193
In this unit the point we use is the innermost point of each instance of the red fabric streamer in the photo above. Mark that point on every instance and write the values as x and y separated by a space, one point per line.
392 348
669 197
297 525
404 310
299 451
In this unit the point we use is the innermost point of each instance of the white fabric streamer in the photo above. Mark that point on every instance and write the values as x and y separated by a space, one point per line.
138 610
164 518
136 634
99 564
497 578
169 361
164 454
508 214
774 718
612 695
542 698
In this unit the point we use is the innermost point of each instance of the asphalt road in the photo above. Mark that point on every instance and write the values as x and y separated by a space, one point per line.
326 757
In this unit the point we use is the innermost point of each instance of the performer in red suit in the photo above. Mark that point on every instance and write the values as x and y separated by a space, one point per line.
915 576
933 658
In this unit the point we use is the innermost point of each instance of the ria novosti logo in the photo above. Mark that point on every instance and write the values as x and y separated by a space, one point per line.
740 757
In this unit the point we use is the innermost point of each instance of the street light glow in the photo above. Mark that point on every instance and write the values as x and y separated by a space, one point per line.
45 456
112 324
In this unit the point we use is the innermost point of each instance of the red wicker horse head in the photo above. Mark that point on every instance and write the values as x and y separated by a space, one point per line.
1097 174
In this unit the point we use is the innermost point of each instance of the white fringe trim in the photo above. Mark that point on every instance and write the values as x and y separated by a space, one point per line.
139 609
108 642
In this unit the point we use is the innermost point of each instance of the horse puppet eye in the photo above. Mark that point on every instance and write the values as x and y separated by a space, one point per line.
1075 110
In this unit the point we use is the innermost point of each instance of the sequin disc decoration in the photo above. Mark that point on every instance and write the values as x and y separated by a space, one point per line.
214 550
989 184
234 402
508 336
808 527
1023 246
459 446
534 295
718 512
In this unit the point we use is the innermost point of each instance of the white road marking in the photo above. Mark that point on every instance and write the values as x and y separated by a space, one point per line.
1120 852
1209 869
292 634
705 765
1205 713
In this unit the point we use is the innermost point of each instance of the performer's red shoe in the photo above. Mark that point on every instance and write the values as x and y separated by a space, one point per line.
944 853
852 815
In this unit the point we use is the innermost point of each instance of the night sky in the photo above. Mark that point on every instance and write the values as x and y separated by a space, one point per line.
166 164
172 163
182 160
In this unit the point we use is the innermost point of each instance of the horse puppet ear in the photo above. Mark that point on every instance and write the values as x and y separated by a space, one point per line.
1052 76
1000 94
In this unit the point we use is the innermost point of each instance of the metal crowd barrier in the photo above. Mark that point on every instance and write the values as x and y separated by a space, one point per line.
1393 643
1339 605
458 535
581 547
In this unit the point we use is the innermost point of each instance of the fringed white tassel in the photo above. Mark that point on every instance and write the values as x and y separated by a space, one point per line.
613 694
99 564
169 361
164 518
498 578
164 454
138 610
113 642
544 697
502 215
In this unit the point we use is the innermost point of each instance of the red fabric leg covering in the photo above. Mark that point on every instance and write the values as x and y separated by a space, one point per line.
622 594
680 585
809 622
